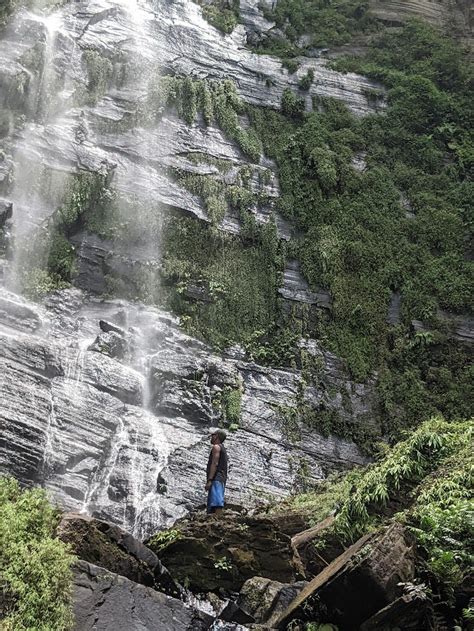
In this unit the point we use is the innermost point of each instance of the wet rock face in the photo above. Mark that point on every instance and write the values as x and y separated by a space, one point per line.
222 552
91 132
114 422
127 441
104 601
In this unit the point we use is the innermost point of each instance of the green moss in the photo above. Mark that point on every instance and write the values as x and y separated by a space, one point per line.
36 575
231 402
306 80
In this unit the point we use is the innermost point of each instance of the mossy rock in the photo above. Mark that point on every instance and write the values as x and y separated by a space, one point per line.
222 552
110 547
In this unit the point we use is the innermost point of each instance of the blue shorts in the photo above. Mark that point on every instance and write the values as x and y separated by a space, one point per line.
215 496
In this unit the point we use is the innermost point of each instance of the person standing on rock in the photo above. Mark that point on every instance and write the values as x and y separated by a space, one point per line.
216 472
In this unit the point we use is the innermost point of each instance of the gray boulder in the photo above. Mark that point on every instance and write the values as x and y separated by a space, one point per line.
104 601
265 600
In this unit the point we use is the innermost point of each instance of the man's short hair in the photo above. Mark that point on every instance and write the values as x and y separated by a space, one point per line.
222 434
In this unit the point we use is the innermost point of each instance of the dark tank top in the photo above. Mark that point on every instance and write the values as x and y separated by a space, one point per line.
221 472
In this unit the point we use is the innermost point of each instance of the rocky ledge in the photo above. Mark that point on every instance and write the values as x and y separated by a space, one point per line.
246 573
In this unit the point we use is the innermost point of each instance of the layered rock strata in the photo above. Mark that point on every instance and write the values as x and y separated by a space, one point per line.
127 440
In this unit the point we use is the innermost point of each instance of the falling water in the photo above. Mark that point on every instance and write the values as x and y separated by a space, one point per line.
37 191
138 451
101 481
50 434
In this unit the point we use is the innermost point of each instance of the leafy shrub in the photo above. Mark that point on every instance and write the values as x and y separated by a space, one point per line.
35 575
188 100
431 474
222 14
231 404
409 461
37 283
291 104
306 80
331 23
224 20
356 239
61 258
163 539
240 277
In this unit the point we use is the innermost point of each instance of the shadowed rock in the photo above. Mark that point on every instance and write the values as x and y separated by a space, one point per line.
104 601
113 549
222 552
363 579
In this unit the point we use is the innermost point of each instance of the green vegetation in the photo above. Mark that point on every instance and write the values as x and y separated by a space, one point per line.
325 421
35 570
223 564
100 72
219 197
163 539
322 23
211 190
223 14
429 475
50 264
306 80
236 278
37 283
215 100
231 402
357 240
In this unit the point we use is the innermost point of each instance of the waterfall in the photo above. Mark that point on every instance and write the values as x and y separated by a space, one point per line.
58 136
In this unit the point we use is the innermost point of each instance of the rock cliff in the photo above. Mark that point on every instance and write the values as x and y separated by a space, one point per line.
128 440
115 422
